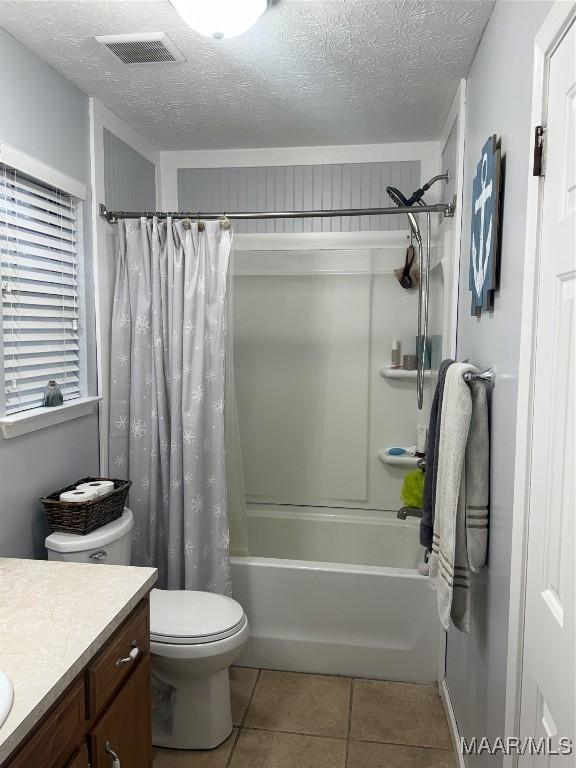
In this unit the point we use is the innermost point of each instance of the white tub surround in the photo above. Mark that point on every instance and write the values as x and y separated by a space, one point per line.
312 326
333 535
339 593
54 617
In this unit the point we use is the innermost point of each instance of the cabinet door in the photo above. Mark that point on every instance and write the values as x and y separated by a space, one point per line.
125 727
80 759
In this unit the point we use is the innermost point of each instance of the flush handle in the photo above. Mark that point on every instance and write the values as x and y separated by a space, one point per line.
109 751
99 556
132 656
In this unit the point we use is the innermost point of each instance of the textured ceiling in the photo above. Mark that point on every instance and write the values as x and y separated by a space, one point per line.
309 73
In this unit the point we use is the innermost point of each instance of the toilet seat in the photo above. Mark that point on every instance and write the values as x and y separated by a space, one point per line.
184 617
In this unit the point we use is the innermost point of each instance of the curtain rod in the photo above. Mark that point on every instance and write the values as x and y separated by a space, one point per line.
112 216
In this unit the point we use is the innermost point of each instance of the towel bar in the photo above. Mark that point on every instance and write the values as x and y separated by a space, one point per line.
486 376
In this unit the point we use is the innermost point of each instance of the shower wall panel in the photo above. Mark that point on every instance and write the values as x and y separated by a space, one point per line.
312 329
302 362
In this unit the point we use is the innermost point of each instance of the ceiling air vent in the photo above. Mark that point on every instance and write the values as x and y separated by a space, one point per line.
142 48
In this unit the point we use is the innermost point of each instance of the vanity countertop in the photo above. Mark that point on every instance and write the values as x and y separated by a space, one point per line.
54 617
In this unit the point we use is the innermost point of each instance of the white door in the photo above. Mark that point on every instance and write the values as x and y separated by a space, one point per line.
548 679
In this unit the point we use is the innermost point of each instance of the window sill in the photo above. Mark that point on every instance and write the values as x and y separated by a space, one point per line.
39 418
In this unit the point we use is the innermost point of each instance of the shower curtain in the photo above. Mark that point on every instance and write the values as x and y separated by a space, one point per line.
167 409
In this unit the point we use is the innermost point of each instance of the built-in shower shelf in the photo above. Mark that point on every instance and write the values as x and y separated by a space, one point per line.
403 461
399 373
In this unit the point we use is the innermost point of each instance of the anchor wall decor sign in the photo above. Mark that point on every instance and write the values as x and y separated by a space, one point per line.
485 220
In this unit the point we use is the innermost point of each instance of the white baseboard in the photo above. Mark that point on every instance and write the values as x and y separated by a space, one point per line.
452 724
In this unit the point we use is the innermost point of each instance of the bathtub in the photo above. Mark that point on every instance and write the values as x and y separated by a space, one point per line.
337 591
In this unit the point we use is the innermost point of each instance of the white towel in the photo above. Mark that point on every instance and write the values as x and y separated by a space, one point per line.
462 490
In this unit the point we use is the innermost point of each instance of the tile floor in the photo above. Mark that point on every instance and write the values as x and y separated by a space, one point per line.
293 720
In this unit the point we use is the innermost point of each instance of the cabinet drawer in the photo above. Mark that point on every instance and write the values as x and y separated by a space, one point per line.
117 660
60 733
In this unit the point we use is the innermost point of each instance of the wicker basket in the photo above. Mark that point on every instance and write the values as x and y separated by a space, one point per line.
86 517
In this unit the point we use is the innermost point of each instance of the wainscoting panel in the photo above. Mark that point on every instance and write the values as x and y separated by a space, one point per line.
297 188
129 177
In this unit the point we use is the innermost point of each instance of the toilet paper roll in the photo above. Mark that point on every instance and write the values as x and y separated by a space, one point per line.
78 497
102 487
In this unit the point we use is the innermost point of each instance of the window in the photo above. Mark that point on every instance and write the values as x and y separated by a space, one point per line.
39 272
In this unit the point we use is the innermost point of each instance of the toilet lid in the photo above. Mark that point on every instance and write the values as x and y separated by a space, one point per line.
186 617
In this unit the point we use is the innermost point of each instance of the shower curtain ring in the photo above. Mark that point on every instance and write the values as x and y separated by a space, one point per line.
224 222
201 225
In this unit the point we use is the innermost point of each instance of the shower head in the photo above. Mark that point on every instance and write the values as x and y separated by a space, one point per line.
417 196
397 197
402 202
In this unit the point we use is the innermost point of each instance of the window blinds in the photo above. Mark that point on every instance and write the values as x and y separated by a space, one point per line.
39 281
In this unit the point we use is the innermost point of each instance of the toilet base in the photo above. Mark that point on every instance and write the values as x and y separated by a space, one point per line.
201 715
191 691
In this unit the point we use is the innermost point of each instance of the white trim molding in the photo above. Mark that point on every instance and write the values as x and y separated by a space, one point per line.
556 24
40 170
123 131
39 418
456 119
297 241
327 155
102 118
452 724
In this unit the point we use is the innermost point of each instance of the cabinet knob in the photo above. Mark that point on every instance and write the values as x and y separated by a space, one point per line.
115 759
132 656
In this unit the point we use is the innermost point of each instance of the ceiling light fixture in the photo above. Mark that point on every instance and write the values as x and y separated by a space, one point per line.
220 18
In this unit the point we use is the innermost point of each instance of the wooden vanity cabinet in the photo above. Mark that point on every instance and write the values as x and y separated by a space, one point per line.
105 712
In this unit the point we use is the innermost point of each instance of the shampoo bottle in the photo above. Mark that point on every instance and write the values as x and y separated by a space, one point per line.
396 356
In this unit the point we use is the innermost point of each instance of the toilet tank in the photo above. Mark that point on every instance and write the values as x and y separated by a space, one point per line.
111 544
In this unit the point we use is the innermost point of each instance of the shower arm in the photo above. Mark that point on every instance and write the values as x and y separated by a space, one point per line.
419 194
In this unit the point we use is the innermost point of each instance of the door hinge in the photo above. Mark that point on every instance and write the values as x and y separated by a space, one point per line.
538 167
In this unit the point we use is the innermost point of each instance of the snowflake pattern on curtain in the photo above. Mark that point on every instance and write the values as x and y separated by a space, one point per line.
167 397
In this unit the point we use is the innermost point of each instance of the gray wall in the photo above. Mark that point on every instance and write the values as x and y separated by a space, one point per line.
129 178
46 116
498 101
297 188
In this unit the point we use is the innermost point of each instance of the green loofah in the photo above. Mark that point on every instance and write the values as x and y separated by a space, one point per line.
412 493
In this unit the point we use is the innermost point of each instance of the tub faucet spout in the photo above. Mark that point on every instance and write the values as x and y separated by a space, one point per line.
405 512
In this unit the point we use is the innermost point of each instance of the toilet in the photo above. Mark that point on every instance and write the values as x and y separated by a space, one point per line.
194 638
